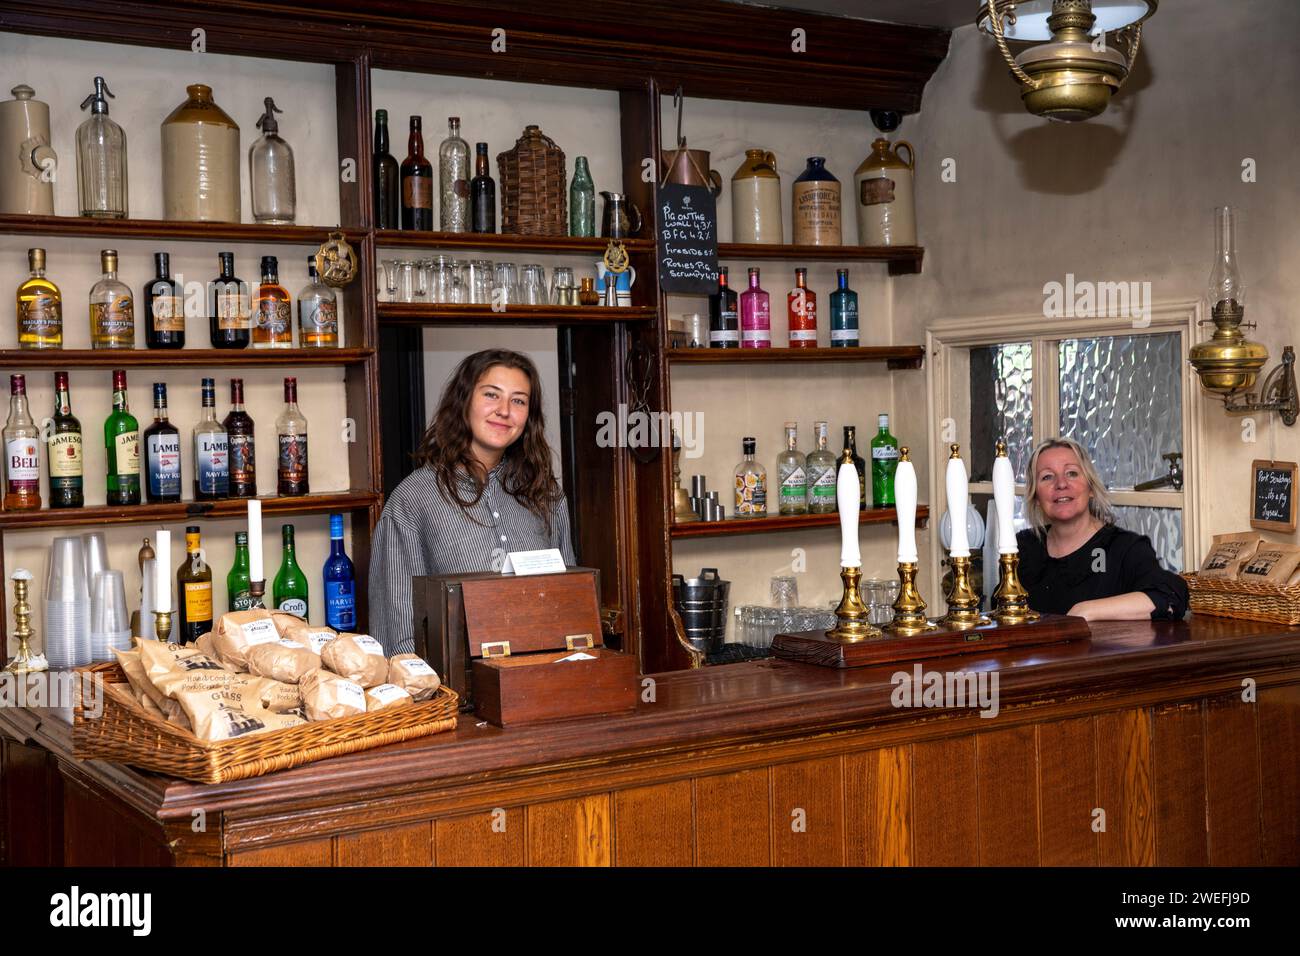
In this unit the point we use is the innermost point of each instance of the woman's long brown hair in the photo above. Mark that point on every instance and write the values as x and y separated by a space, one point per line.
527 472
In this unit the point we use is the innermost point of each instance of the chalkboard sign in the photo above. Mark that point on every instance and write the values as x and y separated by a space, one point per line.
1273 495
687 219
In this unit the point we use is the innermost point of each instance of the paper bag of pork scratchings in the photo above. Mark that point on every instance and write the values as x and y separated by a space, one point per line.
1226 554
414 675
284 660
357 657
237 631
326 695
315 636
1272 563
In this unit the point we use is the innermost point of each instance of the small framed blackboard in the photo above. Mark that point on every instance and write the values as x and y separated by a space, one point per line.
687 220
1272 495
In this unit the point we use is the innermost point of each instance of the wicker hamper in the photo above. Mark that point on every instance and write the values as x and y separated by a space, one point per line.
533 197
1277 603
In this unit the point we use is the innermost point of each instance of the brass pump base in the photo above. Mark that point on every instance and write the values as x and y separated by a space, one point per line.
1011 600
909 608
854 624
963 603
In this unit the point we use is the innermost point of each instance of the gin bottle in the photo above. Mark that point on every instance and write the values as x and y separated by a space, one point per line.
724 315
755 316
884 462
801 309
453 180
751 484
822 474
844 313
792 475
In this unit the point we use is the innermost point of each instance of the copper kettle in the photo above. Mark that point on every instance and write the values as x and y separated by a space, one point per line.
690 167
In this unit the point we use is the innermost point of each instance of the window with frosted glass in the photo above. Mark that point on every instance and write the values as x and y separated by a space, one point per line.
1001 406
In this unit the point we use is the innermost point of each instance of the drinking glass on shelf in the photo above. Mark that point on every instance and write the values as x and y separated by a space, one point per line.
563 290
507 283
785 592
422 269
476 282
442 279
389 284
406 281
532 287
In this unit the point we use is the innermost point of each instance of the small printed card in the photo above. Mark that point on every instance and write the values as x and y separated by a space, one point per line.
546 561
577 657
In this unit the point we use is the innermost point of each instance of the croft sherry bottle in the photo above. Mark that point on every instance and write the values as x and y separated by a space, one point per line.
318 313
792 475
272 314
194 590
884 462
238 583
724 315
417 183
40 307
755 316
291 439
112 308
67 478
289 589
340 582
387 191
229 307
844 313
162 452
801 308
211 451
163 308
851 455
122 448
239 435
823 475
22 461
482 193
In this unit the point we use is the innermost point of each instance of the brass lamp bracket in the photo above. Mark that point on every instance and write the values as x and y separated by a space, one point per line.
1277 394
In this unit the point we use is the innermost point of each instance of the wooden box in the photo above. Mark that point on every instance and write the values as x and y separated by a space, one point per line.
504 639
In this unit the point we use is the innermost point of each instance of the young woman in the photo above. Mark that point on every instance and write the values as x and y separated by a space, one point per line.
485 488
1075 560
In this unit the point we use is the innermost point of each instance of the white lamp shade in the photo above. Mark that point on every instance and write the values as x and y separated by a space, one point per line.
905 503
1004 494
958 486
1031 17
846 498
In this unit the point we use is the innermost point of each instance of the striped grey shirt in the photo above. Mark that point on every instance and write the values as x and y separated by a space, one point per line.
421 532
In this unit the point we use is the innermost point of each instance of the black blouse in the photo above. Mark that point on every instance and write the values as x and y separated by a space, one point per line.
1113 561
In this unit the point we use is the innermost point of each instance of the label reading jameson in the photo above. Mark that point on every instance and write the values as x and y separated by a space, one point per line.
292 463
65 461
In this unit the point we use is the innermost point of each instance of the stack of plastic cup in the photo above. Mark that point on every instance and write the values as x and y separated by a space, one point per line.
67 606
96 553
110 625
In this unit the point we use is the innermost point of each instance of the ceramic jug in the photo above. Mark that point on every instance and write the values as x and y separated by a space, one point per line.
690 167
201 159
882 196
815 206
27 163
756 199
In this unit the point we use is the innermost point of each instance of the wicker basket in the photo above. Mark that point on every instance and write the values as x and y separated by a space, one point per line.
127 734
533 197
1277 603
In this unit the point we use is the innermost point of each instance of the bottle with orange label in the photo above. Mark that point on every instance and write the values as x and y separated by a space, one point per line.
194 590
801 308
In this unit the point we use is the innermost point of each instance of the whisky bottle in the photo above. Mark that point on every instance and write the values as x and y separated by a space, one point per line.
229 307
801 307
340 582
483 192
272 316
844 313
164 311
453 179
822 475
238 582
724 318
40 307
194 590
851 456
792 475
291 440
67 479
318 316
417 182
122 447
22 462
755 316
387 195
162 452
112 308
289 589
751 484
211 450
884 462
239 435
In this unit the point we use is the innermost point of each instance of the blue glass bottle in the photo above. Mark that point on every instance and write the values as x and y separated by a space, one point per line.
340 582
844 313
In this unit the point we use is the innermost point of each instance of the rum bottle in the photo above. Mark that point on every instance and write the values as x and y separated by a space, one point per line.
884 462
387 191
67 478
22 462
112 308
194 590
272 315
417 183
162 452
40 307
239 435
211 450
724 317
291 439
229 307
163 308
792 475
801 308
122 448
755 316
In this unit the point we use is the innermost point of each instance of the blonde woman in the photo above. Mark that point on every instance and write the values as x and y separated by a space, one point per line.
1075 560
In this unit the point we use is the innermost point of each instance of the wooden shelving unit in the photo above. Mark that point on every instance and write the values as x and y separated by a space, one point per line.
503 243
902 260
181 358
167 229
777 523
894 356
412 313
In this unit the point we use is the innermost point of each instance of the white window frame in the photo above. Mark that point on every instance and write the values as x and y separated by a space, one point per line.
946 337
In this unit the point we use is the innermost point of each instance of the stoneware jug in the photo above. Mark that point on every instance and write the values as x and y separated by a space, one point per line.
882 196
756 199
201 160
25 155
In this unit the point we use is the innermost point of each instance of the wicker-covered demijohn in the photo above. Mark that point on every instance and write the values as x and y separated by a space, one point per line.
534 201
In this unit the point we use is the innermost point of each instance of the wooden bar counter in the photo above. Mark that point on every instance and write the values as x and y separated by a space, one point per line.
1134 748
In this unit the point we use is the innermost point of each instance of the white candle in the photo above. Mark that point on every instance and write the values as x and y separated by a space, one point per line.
1004 496
905 503
162 589
255 540
846 498
957 502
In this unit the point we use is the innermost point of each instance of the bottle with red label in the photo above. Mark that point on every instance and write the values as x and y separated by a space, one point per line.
755 316
22 440
802 311
291 436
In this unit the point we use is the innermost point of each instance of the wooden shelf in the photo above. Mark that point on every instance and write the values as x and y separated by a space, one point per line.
11 224
706 529
903 260
504 243
185 511
411 313
895 356
179 358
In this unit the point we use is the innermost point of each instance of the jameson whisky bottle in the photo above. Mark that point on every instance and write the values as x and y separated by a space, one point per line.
22 463
112 309
801 311
291 439
211 450
163 308
822 475
884 462
122 447
417 182
724 317
272 315
194 590
387 195
238 597
851 455
40 307
340 582
289 590
239 436
162 452
67 479
229 307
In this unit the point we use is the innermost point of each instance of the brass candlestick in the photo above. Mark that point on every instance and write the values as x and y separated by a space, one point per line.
1011 600
682 510
22 661
854 623
909 608
963 603
162 625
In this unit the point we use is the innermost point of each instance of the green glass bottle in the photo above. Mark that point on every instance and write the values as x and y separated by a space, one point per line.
289 591
238 581
884 462
122 444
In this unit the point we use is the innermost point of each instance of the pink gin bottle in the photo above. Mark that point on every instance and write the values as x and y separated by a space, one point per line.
755 316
